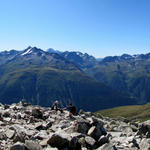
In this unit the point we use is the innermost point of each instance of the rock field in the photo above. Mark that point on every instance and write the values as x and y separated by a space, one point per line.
27 127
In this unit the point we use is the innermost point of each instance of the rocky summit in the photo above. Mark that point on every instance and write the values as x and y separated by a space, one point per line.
27 127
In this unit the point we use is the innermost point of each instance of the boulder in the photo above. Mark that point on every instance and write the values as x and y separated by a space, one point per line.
37 113
144 128
57 141
90 141
81 127
94 132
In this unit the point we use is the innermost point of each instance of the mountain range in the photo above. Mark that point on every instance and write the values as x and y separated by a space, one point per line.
129 74
40 77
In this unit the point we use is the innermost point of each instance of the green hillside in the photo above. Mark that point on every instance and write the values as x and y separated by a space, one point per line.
43 85
138 112
130 76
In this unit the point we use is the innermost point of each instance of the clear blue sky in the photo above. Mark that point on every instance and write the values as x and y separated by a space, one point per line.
98 27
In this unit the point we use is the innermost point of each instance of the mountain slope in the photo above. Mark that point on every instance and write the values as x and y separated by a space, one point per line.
41 77
126 73
7 55
44 85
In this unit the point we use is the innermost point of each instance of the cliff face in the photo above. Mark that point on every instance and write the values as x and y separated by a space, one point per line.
27 127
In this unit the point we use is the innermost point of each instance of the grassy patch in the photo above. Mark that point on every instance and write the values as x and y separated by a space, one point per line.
138 112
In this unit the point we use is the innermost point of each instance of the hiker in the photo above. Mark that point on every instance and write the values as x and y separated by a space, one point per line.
72 109
55 107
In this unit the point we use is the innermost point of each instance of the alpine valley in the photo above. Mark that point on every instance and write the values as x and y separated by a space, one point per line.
40 77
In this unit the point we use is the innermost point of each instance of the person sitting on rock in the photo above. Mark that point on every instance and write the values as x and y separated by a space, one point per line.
72 109
55 106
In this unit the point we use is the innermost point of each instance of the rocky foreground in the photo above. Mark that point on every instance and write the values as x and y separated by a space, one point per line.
27 127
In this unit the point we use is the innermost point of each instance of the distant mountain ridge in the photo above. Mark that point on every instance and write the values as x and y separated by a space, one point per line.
51 50
126 57
71 54
83 61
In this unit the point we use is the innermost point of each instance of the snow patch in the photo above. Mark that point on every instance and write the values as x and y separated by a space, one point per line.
80 54
27 52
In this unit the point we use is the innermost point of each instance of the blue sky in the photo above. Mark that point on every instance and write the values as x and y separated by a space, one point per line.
98 27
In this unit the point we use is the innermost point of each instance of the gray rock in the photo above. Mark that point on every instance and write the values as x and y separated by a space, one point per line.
64 124
18 116
50 148
6 106
81 127
144 145
90 141
103 139
107 146
38 126
1 117
31 145
44 142
47 125
84 148
82 142
144 128
94 132
134 128
10 133
41 135
18 146
3 136
19 136
6 114
77 135
74 144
